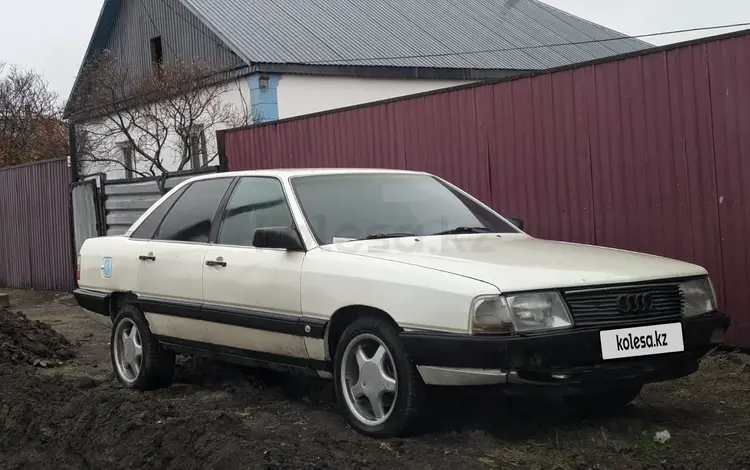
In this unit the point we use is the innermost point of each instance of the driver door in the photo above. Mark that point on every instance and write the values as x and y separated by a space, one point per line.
252 295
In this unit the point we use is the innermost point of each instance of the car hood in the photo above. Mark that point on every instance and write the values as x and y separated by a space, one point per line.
513 262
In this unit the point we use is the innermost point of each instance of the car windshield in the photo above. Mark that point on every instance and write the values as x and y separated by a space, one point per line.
342 207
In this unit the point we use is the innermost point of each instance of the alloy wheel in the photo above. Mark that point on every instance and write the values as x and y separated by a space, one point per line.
369 379
128 350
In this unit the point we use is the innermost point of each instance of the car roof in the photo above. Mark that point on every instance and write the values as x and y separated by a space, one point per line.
292 172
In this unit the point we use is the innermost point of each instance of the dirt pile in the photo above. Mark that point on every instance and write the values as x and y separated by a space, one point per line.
24 341
54 421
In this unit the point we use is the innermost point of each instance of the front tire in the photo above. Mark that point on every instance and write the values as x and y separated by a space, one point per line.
138 360
377 386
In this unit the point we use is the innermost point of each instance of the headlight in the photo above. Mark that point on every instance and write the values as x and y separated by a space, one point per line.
490 314
699 297
520 313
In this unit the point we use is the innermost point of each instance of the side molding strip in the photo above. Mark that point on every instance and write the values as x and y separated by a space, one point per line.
273 322
240 356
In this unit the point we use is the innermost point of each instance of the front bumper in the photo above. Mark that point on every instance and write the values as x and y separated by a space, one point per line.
568 360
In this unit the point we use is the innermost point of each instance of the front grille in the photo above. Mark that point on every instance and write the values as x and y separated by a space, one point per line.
599 307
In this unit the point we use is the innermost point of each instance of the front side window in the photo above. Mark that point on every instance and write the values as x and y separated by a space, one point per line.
191 217
257 202
362 205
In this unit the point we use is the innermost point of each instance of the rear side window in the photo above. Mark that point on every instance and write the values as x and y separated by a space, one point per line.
191 217
146 230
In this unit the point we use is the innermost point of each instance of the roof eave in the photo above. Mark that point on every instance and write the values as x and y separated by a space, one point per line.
378 71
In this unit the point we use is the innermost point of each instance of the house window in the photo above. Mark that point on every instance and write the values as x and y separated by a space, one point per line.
128 159
194 149
157 56
83 144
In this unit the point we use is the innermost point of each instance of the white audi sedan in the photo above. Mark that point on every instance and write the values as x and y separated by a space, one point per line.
388 282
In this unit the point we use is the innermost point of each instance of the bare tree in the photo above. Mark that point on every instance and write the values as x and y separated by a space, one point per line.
150 126
30 124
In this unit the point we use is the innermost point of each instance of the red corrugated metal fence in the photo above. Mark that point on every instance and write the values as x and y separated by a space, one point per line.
648 153
35 246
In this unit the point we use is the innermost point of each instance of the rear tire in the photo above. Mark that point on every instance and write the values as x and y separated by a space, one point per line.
614 399
370 366
139 361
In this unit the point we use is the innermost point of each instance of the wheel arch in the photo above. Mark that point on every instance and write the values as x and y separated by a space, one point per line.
119 298
343 317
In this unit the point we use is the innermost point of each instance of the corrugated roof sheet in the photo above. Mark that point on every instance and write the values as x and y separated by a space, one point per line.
415 33
484 35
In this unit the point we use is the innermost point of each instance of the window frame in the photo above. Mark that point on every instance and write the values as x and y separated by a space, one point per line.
157 52
216 227
199 158
129 164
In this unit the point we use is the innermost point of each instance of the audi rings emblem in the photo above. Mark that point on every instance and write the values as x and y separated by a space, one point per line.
635 303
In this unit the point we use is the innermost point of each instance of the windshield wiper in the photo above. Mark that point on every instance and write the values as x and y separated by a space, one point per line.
379 235
463 229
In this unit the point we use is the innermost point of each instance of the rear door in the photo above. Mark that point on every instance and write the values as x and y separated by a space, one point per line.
252 295
170 286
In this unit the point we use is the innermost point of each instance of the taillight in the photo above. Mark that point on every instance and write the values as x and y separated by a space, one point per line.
78 269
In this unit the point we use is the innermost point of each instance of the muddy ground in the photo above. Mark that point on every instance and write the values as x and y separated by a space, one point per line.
69 413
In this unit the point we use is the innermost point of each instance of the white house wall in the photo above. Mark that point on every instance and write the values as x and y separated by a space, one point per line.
306 94
237 94
279 97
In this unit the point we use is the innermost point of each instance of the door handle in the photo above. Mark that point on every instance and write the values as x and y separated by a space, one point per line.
148 257
223 264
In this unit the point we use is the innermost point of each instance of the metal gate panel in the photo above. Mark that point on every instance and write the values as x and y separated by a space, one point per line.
84 199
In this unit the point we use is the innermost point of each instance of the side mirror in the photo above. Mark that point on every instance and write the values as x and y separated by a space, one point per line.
517 222
285 238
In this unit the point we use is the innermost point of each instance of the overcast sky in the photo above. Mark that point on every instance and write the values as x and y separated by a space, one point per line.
51 35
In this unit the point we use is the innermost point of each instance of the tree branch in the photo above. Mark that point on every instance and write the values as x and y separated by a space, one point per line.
158 116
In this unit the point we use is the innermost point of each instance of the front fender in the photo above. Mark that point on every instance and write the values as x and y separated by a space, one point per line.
415 297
